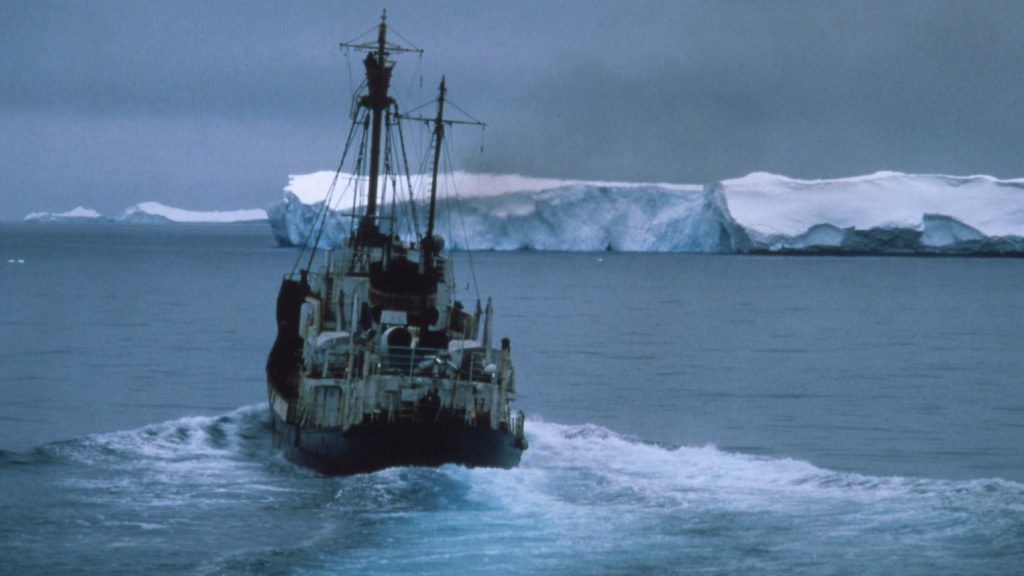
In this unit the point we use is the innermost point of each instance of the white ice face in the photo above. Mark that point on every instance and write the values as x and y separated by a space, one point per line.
158 211
770 204
882 212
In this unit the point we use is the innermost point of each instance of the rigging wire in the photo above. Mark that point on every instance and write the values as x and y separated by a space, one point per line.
462 219
468 115
419 107
412 199
413 90
422 176
326 211
356 40
357 173
391 169
325 207
354 107
348 66
394 164
407 41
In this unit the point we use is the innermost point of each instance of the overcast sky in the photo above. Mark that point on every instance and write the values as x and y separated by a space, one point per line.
212 104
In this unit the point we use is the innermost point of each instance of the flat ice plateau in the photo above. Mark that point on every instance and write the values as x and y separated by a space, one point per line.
75 214
156 212
881 213
150 213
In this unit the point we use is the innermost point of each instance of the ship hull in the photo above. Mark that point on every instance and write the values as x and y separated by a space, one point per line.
375 446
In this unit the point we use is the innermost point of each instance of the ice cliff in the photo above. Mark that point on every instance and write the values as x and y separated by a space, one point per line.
574 217
884 213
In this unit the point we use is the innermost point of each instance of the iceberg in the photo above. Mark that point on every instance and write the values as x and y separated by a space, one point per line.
156 213
511 212
151 213
881 213
884 213
78 214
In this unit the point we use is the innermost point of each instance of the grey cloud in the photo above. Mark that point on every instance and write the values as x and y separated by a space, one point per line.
212 104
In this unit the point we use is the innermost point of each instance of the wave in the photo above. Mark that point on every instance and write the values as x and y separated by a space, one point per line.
684 470
584 499
629 506
582 465
243 435
191 437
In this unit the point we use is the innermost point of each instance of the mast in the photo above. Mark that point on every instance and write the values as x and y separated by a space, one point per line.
428 240
378 77
376 99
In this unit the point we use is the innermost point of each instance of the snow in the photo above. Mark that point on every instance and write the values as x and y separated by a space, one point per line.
771 204
157 212
312 188
884 212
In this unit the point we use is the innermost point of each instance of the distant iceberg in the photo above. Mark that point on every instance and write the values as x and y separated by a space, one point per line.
155 213
151 213
882 213
76 214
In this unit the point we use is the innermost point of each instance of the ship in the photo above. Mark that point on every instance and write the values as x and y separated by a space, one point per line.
376 364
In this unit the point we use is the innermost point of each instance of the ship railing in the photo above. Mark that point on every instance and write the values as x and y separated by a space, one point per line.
469 365
411 361
418 361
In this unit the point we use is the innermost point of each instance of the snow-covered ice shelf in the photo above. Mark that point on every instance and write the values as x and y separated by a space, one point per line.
884 213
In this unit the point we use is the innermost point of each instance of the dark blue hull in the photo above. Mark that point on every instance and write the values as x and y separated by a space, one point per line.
375 446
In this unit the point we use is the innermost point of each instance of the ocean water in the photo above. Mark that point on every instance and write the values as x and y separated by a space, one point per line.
686 414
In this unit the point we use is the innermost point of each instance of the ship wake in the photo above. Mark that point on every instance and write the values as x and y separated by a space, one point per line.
581 491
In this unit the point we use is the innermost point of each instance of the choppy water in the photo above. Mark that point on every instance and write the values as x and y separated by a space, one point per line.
202 495
689 415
